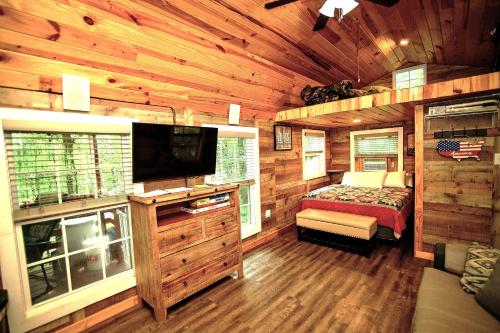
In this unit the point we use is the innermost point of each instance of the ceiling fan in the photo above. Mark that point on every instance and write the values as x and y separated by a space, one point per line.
331 8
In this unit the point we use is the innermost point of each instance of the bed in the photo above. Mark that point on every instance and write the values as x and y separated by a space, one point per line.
390 205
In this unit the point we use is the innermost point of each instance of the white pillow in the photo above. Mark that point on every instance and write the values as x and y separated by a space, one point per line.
395 179
373 179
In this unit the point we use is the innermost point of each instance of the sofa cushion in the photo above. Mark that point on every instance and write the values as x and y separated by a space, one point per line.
481 260
442 306
455 255
489 295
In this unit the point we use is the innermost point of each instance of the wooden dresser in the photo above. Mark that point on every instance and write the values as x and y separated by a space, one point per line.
177 253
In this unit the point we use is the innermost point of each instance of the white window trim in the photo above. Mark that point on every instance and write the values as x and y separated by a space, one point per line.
256 210
21 318
322 173
398 130
409 69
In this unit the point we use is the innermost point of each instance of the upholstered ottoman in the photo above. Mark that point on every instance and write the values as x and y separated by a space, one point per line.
356 231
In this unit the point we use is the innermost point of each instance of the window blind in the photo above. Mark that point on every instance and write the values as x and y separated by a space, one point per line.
55 167
314 143
382 145
235 160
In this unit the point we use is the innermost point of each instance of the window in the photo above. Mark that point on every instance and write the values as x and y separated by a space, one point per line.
66 228
377 150
53 168
238 162
313 154
409 77
70 252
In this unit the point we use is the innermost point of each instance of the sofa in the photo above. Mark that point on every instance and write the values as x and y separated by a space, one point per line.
442 305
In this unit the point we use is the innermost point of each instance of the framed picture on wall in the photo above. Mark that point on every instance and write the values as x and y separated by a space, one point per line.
282 137
410 145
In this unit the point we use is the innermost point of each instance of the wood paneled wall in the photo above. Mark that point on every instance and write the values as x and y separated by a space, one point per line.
341 148
281 172
459 197
437 73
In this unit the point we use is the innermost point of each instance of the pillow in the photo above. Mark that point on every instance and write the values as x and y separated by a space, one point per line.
489 295
395 179
479 264
373 179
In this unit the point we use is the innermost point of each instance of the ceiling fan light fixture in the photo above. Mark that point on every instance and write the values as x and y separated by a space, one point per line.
344 7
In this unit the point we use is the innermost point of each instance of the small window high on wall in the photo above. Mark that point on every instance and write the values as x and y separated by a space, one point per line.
313 154
410 77
377 150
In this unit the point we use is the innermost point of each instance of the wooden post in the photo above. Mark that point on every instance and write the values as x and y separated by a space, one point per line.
419 178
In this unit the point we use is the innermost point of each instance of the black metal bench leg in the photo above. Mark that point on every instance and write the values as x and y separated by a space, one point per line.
299 233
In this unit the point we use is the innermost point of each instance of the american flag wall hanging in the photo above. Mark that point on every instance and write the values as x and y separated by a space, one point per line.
459 150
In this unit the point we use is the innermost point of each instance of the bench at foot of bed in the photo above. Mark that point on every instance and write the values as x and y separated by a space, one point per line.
342 230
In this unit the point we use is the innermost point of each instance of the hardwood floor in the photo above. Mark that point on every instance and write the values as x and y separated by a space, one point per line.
292 286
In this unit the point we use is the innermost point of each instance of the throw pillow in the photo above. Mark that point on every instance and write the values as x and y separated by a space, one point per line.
479 264
489 295
395 179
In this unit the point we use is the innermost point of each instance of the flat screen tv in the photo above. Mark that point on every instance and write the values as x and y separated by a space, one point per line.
170 151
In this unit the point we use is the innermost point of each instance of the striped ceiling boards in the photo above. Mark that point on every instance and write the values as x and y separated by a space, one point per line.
207 54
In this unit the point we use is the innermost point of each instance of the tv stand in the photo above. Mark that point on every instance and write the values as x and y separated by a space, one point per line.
177 253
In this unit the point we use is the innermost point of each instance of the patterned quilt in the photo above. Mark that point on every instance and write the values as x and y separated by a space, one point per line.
389 197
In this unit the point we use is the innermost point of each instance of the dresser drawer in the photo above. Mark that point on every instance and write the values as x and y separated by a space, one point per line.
222 223
202 277
176 239
178 264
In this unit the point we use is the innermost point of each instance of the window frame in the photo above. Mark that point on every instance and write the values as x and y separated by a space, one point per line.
354 134
228 131
68 253
409 69
21 317
322 172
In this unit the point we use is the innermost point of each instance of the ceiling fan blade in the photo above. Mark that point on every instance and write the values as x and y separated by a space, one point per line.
320 22
387 3
274 4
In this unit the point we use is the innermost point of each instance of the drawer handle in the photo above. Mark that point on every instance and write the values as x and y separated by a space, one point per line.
183 236
224 244
184 260
223 223
185 284
225 264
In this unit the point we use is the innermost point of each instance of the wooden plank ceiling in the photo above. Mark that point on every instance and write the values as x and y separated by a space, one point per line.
205 54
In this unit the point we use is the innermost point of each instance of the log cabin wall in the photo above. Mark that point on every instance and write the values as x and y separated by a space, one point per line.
280 171
341 148
460 198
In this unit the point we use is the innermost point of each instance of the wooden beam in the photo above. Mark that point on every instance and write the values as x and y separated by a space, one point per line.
419 179
371 107
101 316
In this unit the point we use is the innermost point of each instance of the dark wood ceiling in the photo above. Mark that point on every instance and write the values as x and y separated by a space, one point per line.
450 32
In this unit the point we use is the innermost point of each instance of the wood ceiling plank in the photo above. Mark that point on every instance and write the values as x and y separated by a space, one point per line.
475 18
431 12
417 11
448 37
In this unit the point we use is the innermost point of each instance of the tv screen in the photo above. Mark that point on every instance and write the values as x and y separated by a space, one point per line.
170 151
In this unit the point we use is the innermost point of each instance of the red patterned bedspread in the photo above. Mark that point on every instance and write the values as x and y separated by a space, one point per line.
390 205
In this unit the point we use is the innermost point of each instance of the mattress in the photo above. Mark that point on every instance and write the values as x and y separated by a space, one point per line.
390 205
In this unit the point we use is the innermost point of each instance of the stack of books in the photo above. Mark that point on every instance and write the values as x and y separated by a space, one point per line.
206 204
